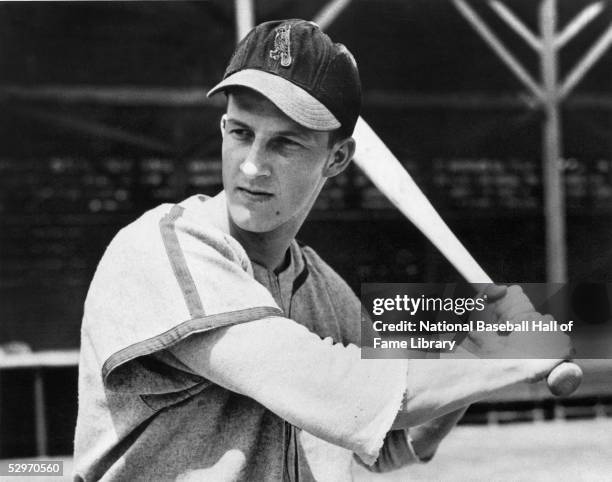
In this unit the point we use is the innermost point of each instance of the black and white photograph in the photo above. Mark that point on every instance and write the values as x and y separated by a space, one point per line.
306 240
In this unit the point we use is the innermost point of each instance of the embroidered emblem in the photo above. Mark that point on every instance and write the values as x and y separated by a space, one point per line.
282 46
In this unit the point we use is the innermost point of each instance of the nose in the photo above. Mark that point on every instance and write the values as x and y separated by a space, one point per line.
254 169
254 165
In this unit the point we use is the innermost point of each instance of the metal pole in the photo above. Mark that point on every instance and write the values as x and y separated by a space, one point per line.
591 57
578 23
552 179
515 24
498 47
40 418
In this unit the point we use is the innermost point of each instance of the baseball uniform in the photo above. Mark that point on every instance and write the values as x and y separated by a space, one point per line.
171 281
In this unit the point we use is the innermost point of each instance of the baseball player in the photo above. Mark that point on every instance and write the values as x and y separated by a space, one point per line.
215 347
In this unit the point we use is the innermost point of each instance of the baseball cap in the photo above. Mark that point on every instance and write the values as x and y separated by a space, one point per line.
301 70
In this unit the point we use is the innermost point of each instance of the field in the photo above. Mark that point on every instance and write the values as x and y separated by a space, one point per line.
539 451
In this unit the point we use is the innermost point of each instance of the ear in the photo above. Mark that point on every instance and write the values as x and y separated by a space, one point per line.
340 157
222 123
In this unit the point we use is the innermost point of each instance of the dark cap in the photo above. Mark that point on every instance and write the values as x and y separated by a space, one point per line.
301 70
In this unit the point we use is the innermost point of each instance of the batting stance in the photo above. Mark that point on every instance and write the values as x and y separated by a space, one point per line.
215 347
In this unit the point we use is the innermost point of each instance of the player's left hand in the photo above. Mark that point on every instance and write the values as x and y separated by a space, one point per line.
542 350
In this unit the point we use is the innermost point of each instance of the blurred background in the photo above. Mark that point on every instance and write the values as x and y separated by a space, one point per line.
104 115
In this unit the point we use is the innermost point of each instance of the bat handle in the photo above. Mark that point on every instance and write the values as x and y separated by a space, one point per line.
564 379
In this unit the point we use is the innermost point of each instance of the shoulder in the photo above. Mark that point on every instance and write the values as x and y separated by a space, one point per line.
324 274
180 229
167 242
334 309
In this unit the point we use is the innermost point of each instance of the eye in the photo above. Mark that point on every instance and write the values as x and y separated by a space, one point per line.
287 143
240 133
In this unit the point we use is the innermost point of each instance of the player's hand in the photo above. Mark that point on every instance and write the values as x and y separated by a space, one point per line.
541 350
507 303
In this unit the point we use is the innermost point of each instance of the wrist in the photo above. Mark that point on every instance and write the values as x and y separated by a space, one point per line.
419 453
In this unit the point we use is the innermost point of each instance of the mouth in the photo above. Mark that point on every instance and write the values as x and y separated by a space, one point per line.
254 194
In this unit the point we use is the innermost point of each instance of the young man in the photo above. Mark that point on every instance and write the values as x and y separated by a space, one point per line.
214 347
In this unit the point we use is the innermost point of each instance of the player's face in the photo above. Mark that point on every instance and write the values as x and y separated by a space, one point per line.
273 168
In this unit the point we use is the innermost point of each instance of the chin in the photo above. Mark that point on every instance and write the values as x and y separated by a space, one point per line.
253 227
249 221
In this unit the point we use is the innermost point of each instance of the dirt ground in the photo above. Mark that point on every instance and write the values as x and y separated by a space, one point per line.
535 452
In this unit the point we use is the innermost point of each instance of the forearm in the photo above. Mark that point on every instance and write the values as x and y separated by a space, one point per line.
411 446
427 436
439 387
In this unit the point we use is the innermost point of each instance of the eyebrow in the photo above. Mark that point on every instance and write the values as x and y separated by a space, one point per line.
302 135
286 133
240 123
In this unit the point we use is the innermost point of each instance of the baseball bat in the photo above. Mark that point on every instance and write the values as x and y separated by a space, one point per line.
389 176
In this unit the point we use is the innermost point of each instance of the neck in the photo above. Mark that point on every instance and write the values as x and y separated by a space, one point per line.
267 249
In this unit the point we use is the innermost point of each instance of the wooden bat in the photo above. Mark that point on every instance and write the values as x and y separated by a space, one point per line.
390 177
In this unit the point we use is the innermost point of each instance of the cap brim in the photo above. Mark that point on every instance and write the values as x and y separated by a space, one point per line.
294 101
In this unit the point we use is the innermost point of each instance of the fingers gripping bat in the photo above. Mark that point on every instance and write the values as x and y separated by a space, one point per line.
390 177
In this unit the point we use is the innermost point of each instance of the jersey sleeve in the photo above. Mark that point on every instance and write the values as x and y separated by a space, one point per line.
163 278
322 387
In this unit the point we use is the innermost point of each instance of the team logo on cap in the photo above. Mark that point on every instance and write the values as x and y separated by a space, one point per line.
282 46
